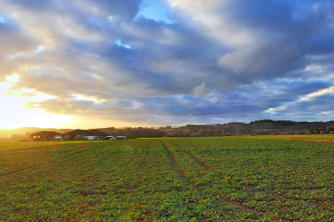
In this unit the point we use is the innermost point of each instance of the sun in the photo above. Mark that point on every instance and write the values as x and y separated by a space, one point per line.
14 113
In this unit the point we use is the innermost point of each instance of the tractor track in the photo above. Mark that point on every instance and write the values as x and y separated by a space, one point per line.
25 149
54 146
199 161
312 140
38 165
228 201
251 190
175 166
182 175
19 170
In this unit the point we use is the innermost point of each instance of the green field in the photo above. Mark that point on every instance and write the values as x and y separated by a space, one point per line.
170 179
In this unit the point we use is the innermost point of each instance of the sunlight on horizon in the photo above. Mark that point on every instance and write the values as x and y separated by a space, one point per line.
16 114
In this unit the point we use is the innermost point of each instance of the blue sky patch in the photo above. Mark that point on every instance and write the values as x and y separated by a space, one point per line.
155 10
119 43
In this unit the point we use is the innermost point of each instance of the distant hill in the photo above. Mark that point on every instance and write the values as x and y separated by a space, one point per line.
258 127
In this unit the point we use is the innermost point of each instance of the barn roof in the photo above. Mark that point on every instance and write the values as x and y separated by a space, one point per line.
86 133
46 133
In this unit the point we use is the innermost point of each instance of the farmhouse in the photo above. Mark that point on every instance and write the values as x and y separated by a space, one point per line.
74 135
121 137
110 137
46 136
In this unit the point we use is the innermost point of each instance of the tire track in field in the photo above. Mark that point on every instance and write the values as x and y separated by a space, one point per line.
309 188
24 149
42 148
182 175
199 161
209 168
175 166
55 146
37 165
251 190
204 165
18 170
312 140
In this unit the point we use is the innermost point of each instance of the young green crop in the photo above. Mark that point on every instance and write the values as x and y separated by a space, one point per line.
168 179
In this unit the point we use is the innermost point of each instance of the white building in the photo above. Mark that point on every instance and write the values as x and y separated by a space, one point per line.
110 137
121 137
59 137
92 137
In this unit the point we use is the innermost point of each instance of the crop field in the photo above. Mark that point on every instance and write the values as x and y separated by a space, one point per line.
259 178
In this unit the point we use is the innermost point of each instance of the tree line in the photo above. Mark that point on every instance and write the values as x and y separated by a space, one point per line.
258 127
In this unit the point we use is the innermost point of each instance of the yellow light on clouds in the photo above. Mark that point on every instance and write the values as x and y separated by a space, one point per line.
14 113
89 98
12 79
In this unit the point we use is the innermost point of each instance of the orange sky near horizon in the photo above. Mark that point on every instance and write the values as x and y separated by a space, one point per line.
16 113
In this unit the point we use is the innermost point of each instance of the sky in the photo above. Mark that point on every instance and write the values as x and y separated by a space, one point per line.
88 64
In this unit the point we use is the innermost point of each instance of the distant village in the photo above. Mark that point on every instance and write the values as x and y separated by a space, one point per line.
74 135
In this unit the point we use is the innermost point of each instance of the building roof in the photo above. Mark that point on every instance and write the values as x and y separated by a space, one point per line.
46 133
86 133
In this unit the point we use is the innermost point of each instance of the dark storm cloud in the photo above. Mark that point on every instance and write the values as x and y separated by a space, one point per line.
284 33
221 60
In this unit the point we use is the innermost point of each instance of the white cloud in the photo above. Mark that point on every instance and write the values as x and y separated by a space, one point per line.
316 94
94 99
201 90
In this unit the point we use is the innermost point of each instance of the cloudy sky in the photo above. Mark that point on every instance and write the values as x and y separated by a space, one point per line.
98 63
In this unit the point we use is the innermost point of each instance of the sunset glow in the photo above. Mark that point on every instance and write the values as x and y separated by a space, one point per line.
15 113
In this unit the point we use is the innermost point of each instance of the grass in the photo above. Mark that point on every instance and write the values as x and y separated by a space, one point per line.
258 178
